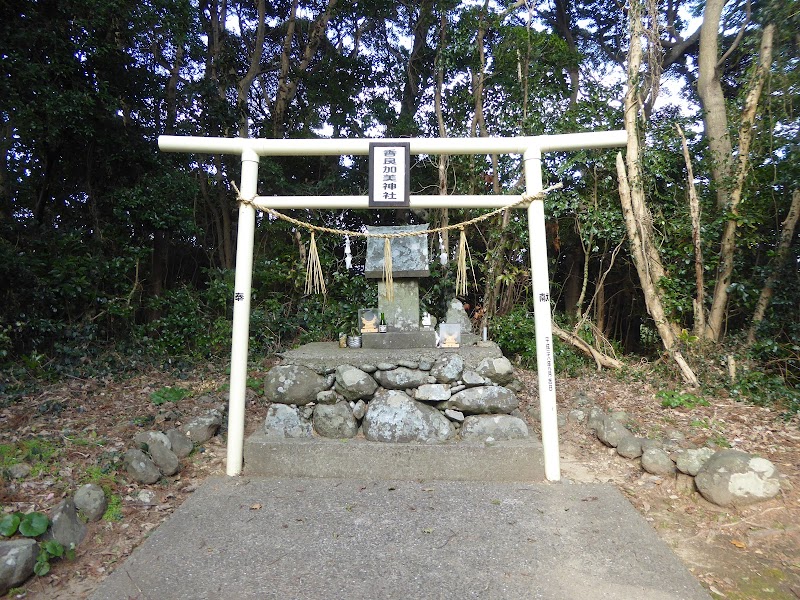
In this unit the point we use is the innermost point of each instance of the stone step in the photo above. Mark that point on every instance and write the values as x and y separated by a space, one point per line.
513 460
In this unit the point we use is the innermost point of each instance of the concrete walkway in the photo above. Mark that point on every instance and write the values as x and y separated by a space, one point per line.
242 538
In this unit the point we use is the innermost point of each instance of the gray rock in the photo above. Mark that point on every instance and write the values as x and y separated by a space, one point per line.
328 397
515 386
65 526
394 417
180 443
203 428
499 370
145 438
293 384
359 409
448 369
596 417
330 381
735 478
657 462
630 447
690 461
306 411
368 368
621 416
383 366
408 364
610 431
17 558
581 399
498 427
91 502
457 314
146 497
482 400
401 378
140 467
454 415
425 365
354 384
457 388
19 470
535 412
577 415
335 420
647 444
436 392
164 458
285 421
472 378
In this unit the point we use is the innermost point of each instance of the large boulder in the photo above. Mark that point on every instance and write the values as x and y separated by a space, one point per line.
335 420
285 421
392 416
293 384
497 427
401 378
498 370
448 368
735 478
482 400
353 383
17 558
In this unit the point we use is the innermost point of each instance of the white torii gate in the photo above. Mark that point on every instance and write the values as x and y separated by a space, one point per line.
531 148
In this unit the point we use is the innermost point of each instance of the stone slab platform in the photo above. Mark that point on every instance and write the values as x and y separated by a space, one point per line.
248 538
328 355
513 460
395 340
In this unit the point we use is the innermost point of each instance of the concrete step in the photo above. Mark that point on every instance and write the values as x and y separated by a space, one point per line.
514 460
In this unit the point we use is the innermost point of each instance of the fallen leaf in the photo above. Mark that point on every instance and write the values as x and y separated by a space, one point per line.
256 506
739 544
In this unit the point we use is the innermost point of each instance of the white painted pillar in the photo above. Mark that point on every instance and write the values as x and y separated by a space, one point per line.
240 338
542 315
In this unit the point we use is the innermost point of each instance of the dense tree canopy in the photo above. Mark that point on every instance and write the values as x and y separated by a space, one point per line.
104 240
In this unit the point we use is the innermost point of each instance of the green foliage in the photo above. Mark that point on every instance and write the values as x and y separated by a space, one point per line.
764 389
31 524
48 550
113 512
9 524
677 399
169 394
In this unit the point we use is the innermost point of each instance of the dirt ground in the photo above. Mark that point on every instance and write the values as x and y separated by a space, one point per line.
80 428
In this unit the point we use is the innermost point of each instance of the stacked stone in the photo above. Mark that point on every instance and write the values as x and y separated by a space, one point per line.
406 401
729 478
159 453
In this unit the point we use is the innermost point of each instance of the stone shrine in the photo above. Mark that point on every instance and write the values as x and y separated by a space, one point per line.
409 263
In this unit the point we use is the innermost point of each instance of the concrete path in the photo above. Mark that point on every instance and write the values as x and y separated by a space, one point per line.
242 538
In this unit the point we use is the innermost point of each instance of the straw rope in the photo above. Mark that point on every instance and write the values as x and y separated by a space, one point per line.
318 228
315 281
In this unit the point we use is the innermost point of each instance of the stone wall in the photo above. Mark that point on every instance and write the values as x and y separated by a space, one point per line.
425 401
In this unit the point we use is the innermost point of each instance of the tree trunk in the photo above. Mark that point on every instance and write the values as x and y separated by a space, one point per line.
709 88
728 244
787 234
438 108
638 222
253 69
694 211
